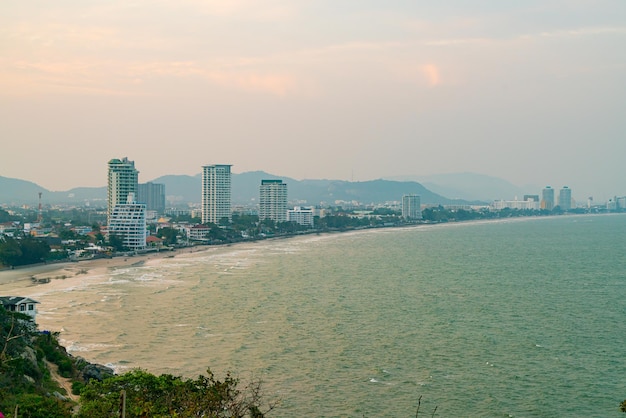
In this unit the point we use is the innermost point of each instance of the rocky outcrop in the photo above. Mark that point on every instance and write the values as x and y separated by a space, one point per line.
88 371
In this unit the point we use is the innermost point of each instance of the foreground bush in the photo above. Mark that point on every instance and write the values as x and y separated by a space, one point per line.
147 395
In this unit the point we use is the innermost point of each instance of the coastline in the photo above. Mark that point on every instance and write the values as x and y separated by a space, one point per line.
42 274
47 274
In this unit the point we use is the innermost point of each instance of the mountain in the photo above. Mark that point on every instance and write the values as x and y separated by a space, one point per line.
19 192
245 190
16 191
471 186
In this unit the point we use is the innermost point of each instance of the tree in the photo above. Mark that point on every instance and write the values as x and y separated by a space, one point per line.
169 235
117 242
147 395
10 251
33 250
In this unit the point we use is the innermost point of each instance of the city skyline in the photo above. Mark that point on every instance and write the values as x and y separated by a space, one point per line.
531 93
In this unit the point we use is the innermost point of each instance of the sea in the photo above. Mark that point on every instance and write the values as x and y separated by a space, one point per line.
514 318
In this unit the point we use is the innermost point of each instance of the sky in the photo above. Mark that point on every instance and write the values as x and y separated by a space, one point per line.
533 92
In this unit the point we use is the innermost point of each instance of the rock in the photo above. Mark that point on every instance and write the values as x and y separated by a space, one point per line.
96 371
29 355
80 363
59 396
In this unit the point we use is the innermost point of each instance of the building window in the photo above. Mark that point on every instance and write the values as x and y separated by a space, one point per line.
31 307
22 307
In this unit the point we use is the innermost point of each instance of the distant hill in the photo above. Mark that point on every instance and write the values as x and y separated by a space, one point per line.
16 191
19 192
245 190
471 186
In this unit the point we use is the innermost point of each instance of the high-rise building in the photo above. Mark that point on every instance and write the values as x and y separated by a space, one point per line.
411 207
273 200
128 222
216 181
153 195
547 198
122 180
565 198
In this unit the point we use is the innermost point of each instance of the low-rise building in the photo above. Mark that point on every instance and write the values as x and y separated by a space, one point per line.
19 304
300 215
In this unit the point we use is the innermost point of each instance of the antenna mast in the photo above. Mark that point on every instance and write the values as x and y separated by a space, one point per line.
40 215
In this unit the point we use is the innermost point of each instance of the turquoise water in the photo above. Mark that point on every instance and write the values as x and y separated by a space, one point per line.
522 319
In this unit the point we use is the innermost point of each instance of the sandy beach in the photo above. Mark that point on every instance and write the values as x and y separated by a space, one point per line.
47 273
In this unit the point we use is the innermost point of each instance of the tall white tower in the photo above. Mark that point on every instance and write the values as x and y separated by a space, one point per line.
123 179
565 198
216 190
411 207
273 200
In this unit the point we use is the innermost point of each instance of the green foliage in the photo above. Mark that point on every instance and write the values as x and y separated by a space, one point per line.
31 405
6 217
10 251
117 243
24 379
169 235
28 250
169 396
622 406
77 387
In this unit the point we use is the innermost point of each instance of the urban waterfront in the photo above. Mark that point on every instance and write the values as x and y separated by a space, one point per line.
511 318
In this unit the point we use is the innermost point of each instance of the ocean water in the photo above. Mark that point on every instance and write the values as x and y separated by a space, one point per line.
521 318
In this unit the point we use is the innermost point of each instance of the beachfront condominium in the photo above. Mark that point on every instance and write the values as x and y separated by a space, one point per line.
273 200
565 198
216 193
302 216
123 179
128 223
411 207
547 198
153 195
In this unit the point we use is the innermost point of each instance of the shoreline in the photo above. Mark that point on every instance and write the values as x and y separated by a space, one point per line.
44 274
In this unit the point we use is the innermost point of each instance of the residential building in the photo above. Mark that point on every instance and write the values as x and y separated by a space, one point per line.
128 221
19 304
216 192
123 179
198 232
547 198
273 200
153 195
411 207
526 204
565 198
300 215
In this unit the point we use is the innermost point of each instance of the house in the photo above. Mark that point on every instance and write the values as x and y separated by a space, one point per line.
19 304
154 242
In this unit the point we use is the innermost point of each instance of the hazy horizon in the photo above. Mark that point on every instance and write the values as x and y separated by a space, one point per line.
531 93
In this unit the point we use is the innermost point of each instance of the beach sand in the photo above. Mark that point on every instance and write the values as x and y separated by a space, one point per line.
43 274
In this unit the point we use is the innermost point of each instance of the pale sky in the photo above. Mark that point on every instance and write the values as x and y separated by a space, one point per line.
533 92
